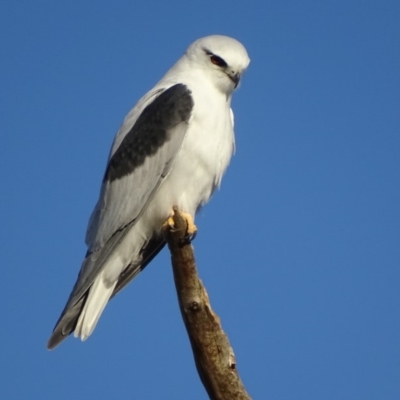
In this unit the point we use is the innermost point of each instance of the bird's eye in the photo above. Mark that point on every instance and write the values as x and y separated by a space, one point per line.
218 61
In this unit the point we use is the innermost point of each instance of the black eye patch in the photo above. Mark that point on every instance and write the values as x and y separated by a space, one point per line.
218 61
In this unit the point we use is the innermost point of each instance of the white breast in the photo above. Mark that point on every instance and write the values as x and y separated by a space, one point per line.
206 151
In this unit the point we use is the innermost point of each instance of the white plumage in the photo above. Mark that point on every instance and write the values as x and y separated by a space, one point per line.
157 162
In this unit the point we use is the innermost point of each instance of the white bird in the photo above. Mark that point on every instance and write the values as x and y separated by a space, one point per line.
171 150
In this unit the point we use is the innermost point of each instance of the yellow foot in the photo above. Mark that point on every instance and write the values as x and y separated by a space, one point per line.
191 228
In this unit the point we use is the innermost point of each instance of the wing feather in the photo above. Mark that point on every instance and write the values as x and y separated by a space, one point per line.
134 173
140 160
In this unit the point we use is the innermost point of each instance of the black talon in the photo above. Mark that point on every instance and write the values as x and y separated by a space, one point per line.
188 238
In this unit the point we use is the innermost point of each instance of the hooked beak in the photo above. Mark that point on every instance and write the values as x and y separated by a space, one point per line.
235 78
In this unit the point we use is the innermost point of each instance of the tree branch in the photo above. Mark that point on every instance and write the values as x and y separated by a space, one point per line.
214 358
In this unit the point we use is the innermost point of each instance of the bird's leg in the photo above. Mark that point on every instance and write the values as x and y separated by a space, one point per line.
191 228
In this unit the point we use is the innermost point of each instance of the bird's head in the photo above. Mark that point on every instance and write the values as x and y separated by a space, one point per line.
222 58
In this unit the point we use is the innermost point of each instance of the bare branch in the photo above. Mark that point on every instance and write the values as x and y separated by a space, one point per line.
214 358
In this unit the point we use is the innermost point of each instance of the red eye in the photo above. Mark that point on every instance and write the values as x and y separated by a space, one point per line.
218 61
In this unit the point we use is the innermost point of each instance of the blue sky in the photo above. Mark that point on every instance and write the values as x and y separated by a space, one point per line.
299 250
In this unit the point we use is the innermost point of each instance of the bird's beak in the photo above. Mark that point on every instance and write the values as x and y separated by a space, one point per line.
235 78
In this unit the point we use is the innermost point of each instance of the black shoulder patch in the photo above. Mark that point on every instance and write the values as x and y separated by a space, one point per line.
150 131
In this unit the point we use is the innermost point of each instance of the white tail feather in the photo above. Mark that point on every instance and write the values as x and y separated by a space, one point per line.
98 297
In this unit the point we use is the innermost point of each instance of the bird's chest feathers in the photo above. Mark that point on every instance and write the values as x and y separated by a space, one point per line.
210 139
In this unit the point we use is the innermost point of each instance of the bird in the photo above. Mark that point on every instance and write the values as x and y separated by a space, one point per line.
172 150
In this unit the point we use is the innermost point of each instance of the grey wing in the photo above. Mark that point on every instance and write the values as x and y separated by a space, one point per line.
136 169
141 161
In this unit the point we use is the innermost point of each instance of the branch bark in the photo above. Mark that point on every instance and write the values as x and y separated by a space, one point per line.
213 355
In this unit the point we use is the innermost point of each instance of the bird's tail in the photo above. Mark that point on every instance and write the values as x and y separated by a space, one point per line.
99 294
82 312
